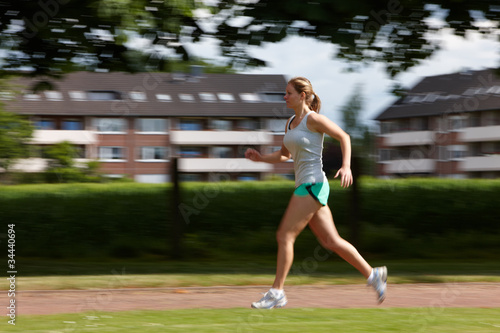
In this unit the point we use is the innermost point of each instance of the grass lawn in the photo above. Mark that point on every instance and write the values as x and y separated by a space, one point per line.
301 320
50 275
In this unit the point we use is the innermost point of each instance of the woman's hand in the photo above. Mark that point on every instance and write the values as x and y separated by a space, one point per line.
253 155
345 176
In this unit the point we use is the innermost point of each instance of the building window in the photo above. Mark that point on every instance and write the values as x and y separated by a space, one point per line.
111 153
386 127
45 124
226 97
52 95
110 125
457 122
190 177
222 152
153 153
164 97
72 125
457 152
77 95
103 95
419 124
186 97
32 97
221 124
152 125
385 155
247 177
250 97
474 119
491 148
138 96
273 97
190 125
248 124
191 152
208 97
6 95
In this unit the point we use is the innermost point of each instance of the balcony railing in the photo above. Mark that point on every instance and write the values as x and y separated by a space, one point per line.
222 165
480 163
416 138
49 137
410 166
478 134
221 138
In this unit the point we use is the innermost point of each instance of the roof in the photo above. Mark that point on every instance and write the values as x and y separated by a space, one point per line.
156 94
468 91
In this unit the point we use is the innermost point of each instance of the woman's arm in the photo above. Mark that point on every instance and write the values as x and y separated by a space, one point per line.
281 155
322 124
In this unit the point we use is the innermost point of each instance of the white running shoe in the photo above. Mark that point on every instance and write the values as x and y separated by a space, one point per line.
379 282
269 301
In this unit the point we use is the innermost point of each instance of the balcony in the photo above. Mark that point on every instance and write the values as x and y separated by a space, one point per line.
37 164
410 166
480 163
221 138
415 138
478 134
50 137
222 165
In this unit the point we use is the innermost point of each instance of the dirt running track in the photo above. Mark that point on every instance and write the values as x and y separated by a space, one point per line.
344 296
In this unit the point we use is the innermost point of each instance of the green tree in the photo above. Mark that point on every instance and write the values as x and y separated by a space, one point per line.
61 155
63 169
15 134
57 36
362 138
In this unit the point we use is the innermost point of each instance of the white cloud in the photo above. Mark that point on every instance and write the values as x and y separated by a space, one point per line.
301 56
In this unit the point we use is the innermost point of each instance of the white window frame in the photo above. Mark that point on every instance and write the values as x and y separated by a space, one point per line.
457 148
32 97
164 98
101 129
207 97
250 97
144 151
138 96
78 96
226 97
53 95
188 98
103 155
140 129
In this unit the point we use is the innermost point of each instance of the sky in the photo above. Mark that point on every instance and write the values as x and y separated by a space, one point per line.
302 56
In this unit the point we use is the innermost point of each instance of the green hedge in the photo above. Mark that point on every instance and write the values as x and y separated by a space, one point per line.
400 218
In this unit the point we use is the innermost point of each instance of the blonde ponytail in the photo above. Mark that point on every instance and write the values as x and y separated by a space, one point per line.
303 85
315 103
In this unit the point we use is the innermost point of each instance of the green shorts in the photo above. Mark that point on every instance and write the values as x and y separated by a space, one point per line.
319 191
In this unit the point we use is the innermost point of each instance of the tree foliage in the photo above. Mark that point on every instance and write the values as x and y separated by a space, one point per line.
57 36
15 132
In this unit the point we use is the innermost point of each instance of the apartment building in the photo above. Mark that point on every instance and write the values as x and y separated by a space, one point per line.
445 126
135 123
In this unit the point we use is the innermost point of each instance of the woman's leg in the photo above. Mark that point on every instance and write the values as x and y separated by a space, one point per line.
324 228
299 212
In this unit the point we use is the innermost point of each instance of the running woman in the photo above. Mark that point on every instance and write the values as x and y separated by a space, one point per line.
303 142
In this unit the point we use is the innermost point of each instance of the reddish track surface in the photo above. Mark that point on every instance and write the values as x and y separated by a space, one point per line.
485 295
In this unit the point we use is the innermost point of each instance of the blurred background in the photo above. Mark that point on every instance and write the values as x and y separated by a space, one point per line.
171 93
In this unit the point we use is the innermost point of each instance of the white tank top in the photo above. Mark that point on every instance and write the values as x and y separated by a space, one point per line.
306 148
